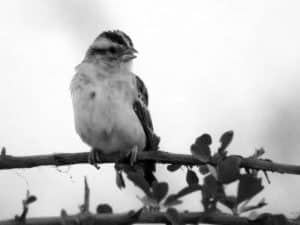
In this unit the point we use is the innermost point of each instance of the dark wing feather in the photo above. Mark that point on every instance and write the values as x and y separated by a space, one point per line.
142 90
142 112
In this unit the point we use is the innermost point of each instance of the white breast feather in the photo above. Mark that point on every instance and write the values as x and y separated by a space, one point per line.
103 113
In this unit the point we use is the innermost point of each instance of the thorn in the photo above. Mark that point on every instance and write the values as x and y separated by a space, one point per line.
86 195
267 176
84 208
247 170
258 152
63 215
3 152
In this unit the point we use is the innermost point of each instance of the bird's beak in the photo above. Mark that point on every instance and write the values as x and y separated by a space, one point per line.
128 54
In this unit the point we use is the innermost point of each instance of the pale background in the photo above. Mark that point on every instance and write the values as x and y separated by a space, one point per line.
210 66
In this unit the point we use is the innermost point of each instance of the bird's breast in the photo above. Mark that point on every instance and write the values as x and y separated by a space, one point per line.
104 117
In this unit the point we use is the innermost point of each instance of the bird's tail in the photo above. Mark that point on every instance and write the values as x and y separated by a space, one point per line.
152 140
147 169
151 145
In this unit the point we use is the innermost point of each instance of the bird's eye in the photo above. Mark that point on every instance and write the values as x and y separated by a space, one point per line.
112 50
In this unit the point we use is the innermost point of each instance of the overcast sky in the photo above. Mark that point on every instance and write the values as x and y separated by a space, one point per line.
210 66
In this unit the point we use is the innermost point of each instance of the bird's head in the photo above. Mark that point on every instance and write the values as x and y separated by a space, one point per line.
112 47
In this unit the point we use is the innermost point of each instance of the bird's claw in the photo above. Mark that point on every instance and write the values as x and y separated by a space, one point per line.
94 158
133 155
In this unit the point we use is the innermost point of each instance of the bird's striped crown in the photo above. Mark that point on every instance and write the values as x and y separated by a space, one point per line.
117 36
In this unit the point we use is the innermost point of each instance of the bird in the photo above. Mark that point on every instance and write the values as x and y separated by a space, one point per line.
110 102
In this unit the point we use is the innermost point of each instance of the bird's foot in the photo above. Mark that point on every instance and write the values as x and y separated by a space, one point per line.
133 155
95 157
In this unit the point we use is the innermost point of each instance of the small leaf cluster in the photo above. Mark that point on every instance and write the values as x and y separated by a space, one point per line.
220 170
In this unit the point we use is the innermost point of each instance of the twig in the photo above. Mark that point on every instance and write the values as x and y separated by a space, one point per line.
144 217
60 159
28 200
85 207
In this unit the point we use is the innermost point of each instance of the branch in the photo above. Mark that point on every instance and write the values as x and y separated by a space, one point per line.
60 159
128 218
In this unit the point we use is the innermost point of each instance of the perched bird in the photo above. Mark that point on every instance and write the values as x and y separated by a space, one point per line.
111 103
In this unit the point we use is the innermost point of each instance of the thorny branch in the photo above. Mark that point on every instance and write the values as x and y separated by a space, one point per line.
152 217
60 159
144 217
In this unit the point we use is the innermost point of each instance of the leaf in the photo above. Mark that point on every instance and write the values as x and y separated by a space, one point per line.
173 216
139 180
159 190
210 185
217 157
201 152
172 200
173 167
148 202
229 201
203 169
204 139
213 187
189 189
104 208
134 215
30 199
191 178
120 180
200 149
225 140
212 191
248 187
246 208
229 169
213 171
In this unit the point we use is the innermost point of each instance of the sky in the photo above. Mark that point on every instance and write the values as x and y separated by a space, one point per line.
209 66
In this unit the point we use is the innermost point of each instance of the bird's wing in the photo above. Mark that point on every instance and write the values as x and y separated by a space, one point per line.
140 107
142 90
